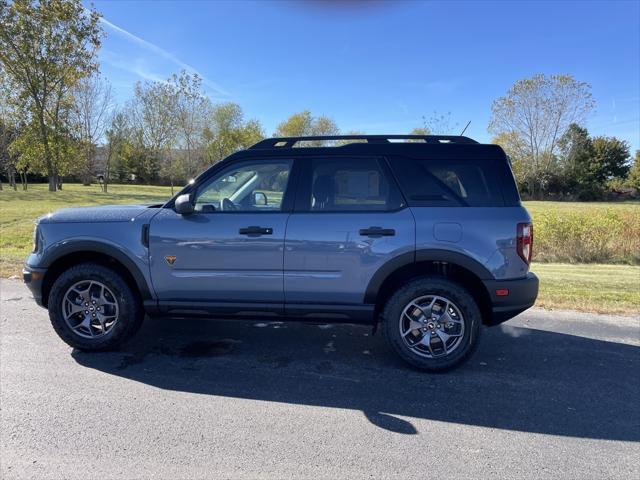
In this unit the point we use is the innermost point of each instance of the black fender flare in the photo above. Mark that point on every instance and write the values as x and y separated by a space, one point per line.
423 255
69 247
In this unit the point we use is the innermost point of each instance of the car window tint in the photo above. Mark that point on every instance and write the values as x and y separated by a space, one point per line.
449 183
250 187
351 185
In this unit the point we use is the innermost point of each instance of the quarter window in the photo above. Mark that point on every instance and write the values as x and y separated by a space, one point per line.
450 183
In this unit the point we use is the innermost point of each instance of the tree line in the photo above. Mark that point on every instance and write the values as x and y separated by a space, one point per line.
58 118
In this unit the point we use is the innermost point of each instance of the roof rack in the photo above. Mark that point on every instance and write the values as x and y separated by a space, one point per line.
289 142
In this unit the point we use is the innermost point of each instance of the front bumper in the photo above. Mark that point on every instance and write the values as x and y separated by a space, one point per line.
34 279
522 294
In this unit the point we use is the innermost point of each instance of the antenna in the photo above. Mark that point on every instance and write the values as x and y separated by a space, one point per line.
465 128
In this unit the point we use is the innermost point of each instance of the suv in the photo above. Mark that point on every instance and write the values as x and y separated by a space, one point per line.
426 236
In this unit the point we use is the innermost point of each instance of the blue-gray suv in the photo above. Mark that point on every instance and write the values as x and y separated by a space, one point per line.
424 235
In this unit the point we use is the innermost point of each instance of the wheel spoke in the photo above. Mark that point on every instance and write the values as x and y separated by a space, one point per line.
413 325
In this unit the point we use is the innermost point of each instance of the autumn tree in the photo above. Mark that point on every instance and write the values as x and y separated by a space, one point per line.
46 47
90 116
193 109
304 124
227 132
153 114
536 112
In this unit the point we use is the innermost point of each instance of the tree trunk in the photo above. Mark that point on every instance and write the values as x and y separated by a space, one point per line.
53 181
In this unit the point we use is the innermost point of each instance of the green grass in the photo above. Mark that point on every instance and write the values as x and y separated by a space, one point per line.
592 287
19 210
589 287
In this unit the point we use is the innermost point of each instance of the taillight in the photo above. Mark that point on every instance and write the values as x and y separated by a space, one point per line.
525 241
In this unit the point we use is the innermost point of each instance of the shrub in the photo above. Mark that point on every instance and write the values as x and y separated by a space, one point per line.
588 236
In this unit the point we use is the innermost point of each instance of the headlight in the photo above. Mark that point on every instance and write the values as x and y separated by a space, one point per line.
36 238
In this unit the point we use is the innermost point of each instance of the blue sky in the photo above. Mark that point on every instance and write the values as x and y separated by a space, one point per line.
376 67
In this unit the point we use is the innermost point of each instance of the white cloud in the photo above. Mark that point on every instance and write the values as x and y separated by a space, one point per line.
158 51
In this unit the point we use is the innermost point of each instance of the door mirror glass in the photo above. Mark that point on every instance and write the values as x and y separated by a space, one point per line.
183 204
260 199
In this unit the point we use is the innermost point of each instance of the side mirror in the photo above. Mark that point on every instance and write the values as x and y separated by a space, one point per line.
259 199
183 204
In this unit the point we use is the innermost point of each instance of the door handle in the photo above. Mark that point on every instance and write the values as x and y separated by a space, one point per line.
377 232
254 230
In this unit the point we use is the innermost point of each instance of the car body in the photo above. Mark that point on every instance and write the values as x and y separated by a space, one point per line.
325 233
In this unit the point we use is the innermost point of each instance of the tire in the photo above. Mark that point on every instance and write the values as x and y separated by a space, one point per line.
101 291
426 350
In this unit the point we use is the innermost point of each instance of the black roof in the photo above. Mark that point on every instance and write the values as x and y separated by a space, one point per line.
289 142
434 146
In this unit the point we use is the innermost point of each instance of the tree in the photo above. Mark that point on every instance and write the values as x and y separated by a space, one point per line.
516 150
633 177
90 115
579 172
153 111
193 108
228 132
538 111
304 124
46 47
116 135
439 124
589 164
612 157
9 129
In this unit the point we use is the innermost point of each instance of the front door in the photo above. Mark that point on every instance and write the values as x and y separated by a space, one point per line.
230 250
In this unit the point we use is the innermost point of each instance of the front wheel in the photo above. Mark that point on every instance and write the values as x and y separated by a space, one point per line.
92 308
432 323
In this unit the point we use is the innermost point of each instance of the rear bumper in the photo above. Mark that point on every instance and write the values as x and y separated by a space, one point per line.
33 278
522 294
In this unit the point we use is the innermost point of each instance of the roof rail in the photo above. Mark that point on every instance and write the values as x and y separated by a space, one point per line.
289 142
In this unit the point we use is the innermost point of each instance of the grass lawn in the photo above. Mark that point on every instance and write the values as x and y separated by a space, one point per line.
19 210
591 287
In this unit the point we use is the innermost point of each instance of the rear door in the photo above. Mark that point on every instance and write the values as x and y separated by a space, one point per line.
349 219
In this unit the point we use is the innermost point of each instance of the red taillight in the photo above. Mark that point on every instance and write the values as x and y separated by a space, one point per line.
525 241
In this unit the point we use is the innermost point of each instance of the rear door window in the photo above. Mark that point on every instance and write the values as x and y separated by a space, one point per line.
348 185
449 183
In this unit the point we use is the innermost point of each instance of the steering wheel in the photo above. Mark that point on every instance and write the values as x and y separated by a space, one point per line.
228 205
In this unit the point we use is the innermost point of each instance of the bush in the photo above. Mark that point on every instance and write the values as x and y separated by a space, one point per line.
589 236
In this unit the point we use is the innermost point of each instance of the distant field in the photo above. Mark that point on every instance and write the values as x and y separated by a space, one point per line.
562 230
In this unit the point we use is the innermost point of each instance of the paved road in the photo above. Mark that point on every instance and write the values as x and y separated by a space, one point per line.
547 395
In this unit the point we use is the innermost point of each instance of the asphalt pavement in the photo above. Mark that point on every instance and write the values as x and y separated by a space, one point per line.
547 395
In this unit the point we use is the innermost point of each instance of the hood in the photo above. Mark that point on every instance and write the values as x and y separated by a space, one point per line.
101 214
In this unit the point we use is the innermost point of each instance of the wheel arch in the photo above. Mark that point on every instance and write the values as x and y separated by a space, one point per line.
75 253
442 263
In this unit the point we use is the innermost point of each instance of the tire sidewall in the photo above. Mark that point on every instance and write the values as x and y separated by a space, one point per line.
128 307
433 286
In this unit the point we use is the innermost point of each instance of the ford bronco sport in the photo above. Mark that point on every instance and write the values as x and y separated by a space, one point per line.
426 237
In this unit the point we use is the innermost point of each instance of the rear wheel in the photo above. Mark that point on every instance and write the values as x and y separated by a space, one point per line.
92 308
432 323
